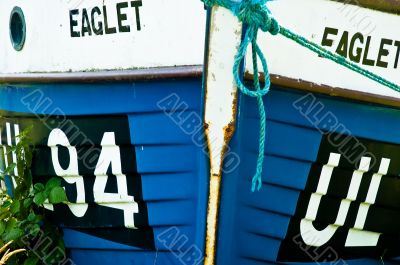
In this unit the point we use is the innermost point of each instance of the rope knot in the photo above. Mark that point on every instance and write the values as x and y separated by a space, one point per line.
255 13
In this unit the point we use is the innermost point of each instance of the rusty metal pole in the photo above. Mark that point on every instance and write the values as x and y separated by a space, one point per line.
220 110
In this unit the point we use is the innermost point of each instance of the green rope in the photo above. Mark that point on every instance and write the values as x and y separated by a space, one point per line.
255 15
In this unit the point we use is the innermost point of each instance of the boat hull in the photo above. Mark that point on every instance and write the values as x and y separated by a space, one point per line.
132 161
329 183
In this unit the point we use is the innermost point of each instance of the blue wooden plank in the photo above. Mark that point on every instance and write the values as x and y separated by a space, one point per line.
166 159
282 139
280 171
168 184
99 98
159 128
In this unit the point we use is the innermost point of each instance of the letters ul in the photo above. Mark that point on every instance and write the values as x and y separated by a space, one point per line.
356 236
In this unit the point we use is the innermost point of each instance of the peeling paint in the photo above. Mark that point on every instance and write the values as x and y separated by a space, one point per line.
220 111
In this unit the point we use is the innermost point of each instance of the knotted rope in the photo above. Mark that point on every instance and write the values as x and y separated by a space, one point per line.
255 15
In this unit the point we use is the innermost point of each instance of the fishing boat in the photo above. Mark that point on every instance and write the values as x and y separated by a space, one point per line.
157 149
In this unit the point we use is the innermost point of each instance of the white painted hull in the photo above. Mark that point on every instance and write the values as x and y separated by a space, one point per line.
310 18
172 34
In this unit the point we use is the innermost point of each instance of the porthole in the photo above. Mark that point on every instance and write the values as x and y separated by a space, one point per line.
17 28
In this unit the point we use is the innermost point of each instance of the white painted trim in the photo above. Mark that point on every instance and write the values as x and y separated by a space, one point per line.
309 18
172 34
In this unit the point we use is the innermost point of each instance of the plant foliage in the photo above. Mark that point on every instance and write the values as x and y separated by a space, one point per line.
22 214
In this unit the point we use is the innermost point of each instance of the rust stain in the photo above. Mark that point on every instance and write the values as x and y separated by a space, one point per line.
212 219
214 197
229 130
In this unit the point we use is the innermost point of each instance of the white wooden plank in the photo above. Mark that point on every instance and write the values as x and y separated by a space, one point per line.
172 34
311 18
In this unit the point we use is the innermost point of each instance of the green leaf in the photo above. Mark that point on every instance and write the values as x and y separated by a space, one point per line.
39 198
28 202
31 260
57 195
31 217
34 218
15 207
13 234
6 204
34 230
11 224
2 227
38 187
53 183
10 169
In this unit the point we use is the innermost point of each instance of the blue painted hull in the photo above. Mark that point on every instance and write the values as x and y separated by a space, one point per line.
171 166
165 131
262 227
